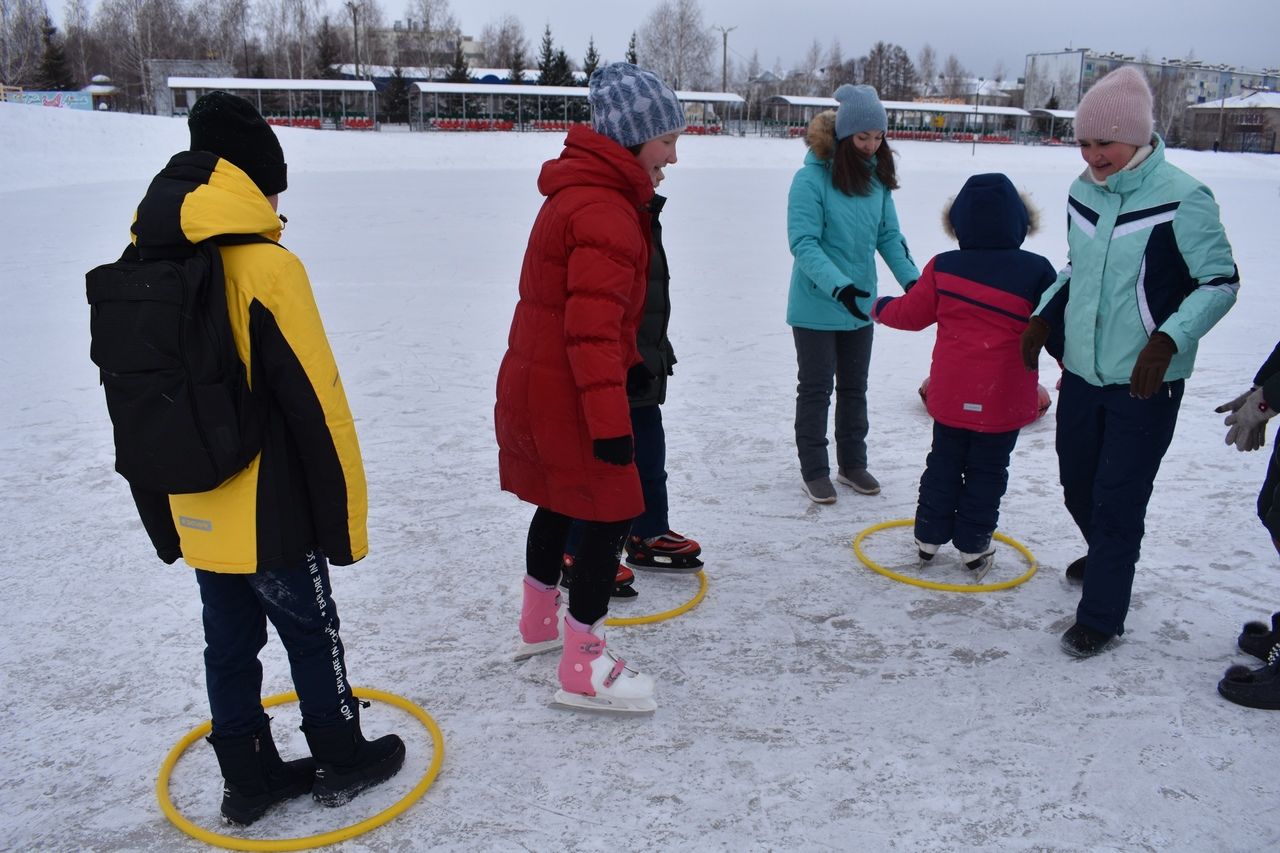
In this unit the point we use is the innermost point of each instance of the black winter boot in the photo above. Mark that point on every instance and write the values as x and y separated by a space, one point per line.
1257 640
1254 688
254 777
347 764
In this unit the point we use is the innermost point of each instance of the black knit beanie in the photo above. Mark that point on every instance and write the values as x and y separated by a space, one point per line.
232 128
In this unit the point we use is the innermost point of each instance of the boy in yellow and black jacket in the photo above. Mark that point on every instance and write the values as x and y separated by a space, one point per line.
261 541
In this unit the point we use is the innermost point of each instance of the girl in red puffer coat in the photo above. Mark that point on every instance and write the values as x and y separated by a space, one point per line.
562 417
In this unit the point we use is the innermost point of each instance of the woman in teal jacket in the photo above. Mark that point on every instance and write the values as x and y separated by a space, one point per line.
1150 271
839 214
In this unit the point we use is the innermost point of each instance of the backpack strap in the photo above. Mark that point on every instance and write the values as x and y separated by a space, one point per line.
179 253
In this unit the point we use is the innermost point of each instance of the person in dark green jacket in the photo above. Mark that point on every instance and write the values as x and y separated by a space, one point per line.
840 213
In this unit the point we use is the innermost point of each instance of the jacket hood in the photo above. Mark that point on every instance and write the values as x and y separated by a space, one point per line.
591 159
196 196
989 213
821 135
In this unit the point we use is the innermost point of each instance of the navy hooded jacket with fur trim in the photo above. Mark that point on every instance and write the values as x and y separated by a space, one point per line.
981 296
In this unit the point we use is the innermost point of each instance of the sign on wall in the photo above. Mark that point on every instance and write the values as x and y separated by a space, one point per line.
65 100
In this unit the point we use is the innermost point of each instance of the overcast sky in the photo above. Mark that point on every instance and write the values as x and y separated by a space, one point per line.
1245 33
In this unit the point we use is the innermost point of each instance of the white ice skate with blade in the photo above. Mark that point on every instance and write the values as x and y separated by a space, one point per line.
592 678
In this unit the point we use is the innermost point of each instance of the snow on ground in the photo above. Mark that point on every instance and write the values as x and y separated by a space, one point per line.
806 704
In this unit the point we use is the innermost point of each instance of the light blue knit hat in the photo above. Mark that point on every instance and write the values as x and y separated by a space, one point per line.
860 109
631 106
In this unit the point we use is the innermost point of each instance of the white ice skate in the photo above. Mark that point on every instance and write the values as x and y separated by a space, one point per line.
592 678
925 552
979 564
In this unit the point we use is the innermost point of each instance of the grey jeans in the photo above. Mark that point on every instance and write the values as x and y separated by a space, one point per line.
824 357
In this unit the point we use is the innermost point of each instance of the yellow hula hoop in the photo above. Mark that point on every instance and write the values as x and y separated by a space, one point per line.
618 621
231 842
945 587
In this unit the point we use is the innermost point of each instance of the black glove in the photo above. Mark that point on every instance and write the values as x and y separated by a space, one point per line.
615 451
848 297
1033 338
1153 361
639 378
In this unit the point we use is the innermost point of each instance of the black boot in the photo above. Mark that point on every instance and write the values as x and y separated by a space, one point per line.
1075 571
1257 640
1254 688
347 764
254 777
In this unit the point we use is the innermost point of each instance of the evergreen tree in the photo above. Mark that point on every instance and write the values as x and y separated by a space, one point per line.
546 59
592 60
632 56
54 73
561 70
328 51
395 100
518 62
459 72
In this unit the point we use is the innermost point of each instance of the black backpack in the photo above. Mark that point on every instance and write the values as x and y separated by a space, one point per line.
181 409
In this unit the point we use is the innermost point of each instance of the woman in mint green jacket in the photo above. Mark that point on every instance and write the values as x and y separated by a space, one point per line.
1149 272
839 214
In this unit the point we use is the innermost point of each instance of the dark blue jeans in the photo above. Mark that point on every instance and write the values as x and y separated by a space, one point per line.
299 602
651 462
1110 446
822 357
965 477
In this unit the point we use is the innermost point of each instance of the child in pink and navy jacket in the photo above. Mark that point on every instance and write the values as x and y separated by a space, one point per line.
980 395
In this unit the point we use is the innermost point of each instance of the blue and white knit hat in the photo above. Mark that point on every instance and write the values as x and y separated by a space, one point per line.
631 106
860 109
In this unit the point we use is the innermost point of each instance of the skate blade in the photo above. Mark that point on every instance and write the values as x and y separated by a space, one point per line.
527 650
600 704
669 568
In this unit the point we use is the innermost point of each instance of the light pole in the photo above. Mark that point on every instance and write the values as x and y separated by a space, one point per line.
1222 109
976 89
354 9
724 61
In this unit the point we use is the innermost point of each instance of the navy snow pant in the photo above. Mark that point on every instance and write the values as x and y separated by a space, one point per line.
965 477
298 600
1109 450
822 356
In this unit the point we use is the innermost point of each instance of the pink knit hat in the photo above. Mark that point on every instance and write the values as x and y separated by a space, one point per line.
1117 109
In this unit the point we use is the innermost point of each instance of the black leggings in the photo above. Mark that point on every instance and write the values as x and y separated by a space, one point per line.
594 567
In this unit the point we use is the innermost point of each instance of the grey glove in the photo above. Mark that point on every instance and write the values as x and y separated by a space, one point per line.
1248 422
1234 405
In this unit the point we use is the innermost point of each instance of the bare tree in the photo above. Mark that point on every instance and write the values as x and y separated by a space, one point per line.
832 73
1168 95
21 39
999 74
955 79
811 71
927 68
75 25
432 33
676 45
502 40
